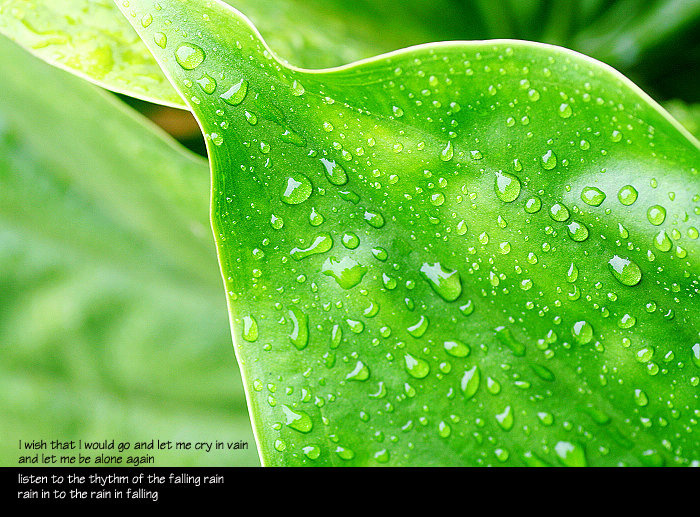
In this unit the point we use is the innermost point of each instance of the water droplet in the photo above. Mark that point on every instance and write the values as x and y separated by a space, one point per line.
359 373
640 398
565 110
656 214
297 88
374 219
322 243
625 271
543 372
446 283
297 420
335 172
570 454
505 336
207 83
300 328
416 367
250 328
347 272
578 231
549 160
592 196
505 419
662 241
160 39
312 452
189 56
456 348
447 153
627 195
582 331
470 382
533 205
297 190
350 240
419 328
507 186
344 453
559 212
235 95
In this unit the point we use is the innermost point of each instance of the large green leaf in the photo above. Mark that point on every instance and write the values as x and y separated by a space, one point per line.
88 37
456 254
111 313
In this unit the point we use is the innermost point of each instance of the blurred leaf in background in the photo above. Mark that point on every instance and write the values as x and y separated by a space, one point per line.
113 322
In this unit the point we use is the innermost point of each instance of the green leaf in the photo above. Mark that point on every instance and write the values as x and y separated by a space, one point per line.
111 310
474 253
91 39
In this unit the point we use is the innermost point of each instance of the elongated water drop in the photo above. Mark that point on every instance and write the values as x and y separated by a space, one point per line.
570 454
625 271
335 172
470 382
322 243
447 283
250 328
297 420
300 328
416 367
359 373
347 271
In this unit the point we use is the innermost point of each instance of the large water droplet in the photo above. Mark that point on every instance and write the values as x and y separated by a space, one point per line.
447 283
625 271
507 186
300 328
470 382
322 243
297 190
416 367
189 56
347 272
656 214
235 95
627 195
592 196
570 454
582 331
297 420
335 172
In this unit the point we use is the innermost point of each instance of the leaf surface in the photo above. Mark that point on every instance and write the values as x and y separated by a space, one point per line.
475 253
91 39
111 311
